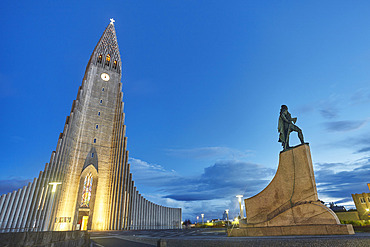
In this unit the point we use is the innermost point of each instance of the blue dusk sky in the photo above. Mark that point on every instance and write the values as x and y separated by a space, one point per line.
203 83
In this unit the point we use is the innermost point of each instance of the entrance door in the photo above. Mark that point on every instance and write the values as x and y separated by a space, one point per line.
84 223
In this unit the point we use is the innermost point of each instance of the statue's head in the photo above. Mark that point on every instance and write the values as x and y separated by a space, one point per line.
283 107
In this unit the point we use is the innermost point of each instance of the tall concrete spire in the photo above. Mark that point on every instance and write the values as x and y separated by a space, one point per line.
106 53
88 184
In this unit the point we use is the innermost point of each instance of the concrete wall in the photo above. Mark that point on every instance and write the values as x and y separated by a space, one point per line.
55 239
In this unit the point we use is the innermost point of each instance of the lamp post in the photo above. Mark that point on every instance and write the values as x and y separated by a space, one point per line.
197 219
227 216
202 218
54 184
240 206
51 203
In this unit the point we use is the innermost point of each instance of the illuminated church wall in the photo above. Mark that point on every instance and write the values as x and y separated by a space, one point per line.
87 183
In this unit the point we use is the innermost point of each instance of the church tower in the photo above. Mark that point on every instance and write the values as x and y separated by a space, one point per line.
87 184
95 121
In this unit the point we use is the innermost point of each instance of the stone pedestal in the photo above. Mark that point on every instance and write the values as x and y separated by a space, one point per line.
289 204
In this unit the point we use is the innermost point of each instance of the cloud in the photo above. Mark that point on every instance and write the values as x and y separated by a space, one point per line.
343 126
153 175
359 140
212 191
361 96
222 179
329 112
328 107
339 185
364 150
216 180
12 184
207 152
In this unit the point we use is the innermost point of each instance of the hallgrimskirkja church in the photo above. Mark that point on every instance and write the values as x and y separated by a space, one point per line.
87 184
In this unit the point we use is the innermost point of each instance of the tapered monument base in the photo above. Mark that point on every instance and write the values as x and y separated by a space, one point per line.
291 230
289 204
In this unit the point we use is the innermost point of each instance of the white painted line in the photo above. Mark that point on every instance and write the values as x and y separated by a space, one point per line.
96 244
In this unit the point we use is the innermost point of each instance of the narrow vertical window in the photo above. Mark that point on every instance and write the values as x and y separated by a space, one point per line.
101 101
115 64
92 155
99 113
100 58
94 140
97 126
107 59
86 192
102 89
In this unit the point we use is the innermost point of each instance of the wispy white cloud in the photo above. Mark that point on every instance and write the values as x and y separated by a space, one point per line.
154 175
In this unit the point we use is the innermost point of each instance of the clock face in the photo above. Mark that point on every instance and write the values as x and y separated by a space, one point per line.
105 76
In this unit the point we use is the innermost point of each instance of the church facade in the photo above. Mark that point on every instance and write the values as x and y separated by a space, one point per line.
87 184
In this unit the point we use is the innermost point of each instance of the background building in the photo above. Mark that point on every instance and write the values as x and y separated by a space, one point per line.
362 202
87 183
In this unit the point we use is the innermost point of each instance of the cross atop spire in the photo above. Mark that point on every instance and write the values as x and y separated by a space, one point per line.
111 20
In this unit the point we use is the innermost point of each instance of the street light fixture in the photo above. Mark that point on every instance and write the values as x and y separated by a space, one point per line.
54 184
202 218
240 206
51 203
197 219
227 217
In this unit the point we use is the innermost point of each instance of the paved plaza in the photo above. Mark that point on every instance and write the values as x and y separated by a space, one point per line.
218 237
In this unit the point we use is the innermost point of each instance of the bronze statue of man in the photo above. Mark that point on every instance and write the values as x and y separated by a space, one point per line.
287 125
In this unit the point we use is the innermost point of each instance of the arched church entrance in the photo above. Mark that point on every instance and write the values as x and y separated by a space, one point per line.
86 198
